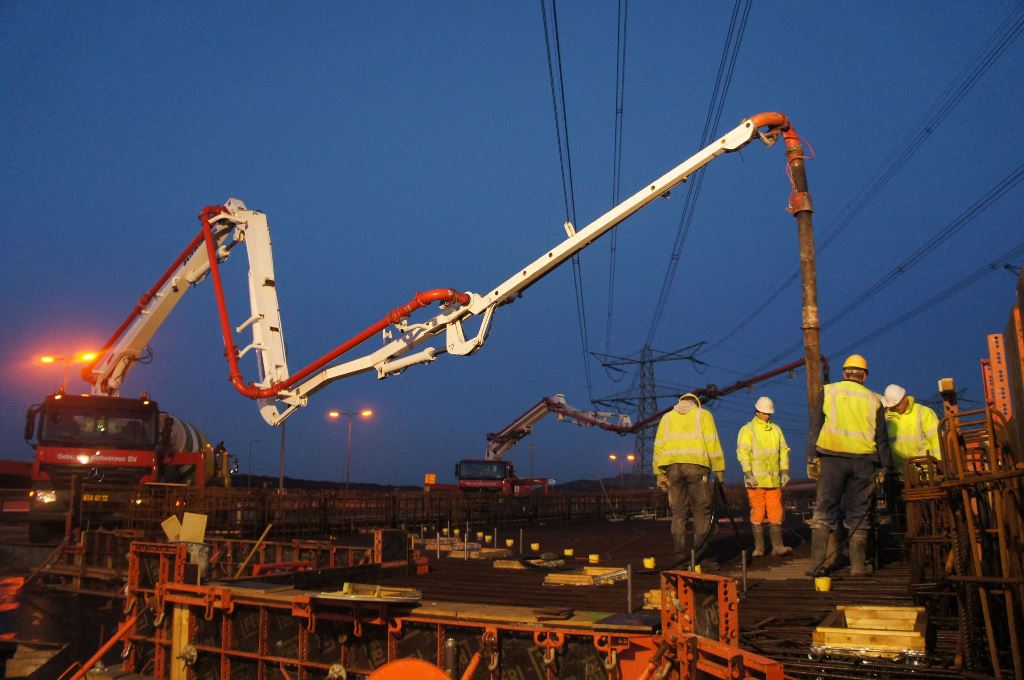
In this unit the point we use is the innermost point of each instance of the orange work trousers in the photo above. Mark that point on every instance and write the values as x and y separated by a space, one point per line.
765 502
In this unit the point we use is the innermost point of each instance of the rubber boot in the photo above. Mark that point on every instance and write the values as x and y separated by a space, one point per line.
778 548
758 530
833 553
858 553
819 546
679 549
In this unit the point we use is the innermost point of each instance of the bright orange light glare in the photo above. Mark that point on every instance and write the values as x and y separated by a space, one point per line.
333 414
631 458
612 456
47 360
86 356
366 413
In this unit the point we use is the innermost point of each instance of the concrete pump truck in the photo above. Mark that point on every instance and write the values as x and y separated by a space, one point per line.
280 393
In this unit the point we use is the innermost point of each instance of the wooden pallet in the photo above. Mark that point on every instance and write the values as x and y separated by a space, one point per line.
586 576
516 564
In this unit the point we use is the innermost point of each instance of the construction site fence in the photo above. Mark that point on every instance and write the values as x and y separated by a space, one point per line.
296 513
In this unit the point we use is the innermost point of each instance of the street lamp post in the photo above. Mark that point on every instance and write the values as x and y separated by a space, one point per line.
365 413
280 461
615 457
79 358
251 442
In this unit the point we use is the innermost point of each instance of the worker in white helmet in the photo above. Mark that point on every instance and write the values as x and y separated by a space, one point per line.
912 427
846 455
686 452
764 456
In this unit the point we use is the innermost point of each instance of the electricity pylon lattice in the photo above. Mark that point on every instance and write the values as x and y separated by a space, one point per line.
644 394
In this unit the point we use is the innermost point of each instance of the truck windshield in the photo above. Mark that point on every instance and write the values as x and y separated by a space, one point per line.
482 469
98 428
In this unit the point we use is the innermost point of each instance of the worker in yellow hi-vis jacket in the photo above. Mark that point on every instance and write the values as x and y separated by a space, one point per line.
764 456
848 450
913 428
686 451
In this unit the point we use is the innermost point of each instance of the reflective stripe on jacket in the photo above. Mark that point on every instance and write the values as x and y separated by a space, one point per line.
688 438
762 450
912 434
850 415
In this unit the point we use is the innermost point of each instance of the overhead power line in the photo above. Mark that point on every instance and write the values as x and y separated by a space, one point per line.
921 131
555 77
940 237
726 67
1010 257
620 94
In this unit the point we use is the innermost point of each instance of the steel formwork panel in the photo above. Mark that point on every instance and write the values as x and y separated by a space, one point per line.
253 633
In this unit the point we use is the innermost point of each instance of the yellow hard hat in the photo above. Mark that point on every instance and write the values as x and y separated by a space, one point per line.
856 361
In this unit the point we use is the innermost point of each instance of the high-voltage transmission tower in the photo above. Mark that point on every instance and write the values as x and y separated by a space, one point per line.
644 394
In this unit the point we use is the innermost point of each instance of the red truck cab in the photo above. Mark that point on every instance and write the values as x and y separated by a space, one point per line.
495 476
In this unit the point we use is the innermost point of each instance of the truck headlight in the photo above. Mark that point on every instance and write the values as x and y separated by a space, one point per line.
46 496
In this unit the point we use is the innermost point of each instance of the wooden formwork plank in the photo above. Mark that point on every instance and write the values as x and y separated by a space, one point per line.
587 576
485 613
878 628
857 638
518 564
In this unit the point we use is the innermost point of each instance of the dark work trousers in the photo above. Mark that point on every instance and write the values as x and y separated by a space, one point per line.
847 484
688 496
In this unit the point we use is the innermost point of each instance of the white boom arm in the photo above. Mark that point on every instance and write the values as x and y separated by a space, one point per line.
280 394
394 356
235 224
129 342
503 440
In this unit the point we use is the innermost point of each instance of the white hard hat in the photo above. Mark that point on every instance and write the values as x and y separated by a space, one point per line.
765 405
893 395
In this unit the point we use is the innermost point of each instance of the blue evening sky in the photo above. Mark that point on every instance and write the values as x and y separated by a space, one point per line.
403 146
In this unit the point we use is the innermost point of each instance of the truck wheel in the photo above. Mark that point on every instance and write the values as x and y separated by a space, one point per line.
38 532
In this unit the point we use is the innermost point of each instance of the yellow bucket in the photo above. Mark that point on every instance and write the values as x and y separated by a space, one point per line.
593 558
487 538
535 547
648 563
567 552
509 542
822 584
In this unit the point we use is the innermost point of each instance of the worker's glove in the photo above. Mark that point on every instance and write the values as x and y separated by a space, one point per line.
749 481
814 468
662 482
721 476
785 477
